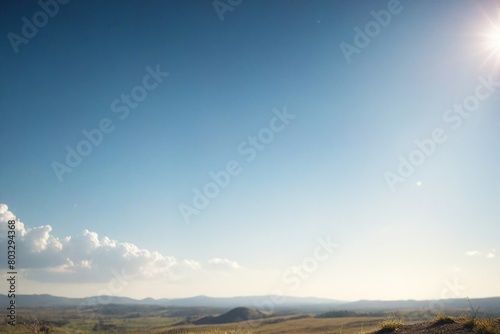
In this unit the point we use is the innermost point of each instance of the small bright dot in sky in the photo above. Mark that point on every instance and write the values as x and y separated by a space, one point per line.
419 183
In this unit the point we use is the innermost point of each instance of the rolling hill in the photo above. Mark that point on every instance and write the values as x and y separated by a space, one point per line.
235 315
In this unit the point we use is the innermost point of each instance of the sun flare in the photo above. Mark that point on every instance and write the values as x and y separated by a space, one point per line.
491 42
493 39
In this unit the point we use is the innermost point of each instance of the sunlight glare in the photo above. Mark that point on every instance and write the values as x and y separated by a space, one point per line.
491 42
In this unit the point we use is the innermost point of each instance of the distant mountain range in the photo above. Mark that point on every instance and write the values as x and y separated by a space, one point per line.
261 303
45 300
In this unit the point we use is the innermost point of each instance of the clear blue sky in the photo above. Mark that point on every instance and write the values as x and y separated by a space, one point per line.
323 175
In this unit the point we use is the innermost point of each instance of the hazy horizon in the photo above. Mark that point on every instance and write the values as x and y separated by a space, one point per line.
277 301
238 148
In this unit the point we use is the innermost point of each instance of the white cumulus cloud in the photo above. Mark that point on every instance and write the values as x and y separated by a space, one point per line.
491 254
222 264
473 253
86 257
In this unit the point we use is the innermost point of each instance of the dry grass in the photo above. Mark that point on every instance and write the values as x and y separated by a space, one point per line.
391 325
214 331
486 326
443 319
36 327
